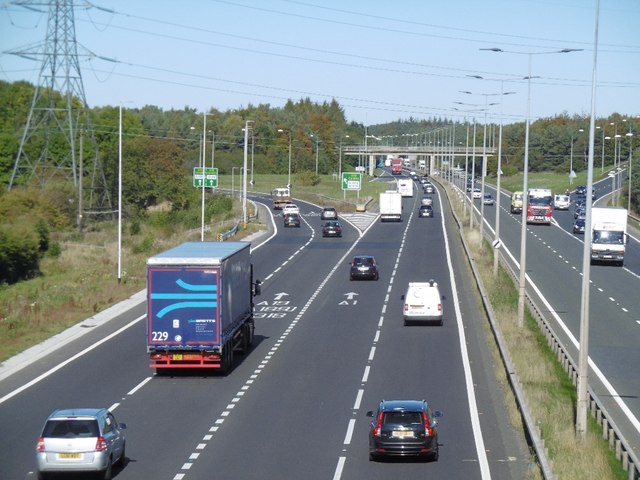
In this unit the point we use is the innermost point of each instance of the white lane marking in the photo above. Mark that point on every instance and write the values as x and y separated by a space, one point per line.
365 376
356 404
139 386
339 467
69 360
349 435
471 396
372 353
114 406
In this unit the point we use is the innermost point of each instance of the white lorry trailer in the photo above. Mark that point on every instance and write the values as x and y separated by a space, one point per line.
390 206
608 234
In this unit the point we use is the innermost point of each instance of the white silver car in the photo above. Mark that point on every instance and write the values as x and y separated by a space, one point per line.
290 208
80 440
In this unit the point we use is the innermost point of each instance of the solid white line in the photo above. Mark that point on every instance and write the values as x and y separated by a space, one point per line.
471 396
68 361
114 406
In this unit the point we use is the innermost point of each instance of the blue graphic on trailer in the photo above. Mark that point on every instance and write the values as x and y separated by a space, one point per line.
184 304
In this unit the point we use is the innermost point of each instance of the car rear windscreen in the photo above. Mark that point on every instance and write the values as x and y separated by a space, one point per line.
71 428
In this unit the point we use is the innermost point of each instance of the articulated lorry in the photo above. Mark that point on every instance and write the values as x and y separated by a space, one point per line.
200 305
396 166
390 206
608 234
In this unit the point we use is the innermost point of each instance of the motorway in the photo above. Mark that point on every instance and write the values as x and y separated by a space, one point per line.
326 351
554 277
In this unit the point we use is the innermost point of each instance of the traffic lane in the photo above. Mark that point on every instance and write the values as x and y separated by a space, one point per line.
554 265
299 405
418 362
101 378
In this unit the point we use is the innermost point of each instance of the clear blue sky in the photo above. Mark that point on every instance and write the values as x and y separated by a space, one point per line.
382 60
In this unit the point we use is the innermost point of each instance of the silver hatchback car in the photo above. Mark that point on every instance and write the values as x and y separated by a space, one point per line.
81 440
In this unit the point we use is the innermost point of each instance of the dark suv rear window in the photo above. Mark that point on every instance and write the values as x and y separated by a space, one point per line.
71 429
402 418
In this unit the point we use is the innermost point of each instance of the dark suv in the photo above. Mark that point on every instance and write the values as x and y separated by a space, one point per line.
403 428
363 266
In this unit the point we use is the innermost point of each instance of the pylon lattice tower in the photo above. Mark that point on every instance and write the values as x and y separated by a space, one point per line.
59 130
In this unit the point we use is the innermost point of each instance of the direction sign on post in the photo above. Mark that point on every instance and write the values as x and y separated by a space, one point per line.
210 177
351 180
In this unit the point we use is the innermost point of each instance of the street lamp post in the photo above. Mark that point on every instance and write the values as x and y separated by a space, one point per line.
630 135
289 170
244 174
340 158
571 172
317 149
523 230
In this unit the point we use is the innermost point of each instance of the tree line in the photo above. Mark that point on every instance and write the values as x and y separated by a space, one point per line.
161 147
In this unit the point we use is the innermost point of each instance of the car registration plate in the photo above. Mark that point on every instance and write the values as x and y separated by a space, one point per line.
70 455
176 356
402 434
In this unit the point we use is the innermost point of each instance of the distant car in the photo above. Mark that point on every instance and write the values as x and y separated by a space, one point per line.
581 189
363 266
428 188
426 201
425 211
422 303
80 440
329 213
580 211
477 193
403 428
332 228
488 199
578 225
290 208
292 220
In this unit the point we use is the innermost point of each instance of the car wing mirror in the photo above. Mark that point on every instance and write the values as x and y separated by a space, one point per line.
402 297
122 426
369 413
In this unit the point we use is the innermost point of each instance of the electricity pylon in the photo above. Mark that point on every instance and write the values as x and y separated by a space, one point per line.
59 131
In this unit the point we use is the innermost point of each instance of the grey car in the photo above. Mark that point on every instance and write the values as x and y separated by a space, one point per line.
80 440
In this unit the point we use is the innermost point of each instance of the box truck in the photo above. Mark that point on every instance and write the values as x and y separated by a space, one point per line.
390 206
200 305
608 234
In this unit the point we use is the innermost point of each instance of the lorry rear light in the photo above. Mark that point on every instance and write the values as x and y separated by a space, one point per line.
156 356
101 445
40 445
440 307
406 307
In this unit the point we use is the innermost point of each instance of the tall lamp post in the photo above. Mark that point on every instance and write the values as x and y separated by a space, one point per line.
340 158
317 137
630 135
289 170
571 172
247 126
523 231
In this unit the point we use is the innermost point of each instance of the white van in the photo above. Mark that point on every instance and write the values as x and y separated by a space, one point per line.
422 303
405 187
561 202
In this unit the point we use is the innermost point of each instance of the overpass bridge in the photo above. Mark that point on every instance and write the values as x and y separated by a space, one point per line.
436 156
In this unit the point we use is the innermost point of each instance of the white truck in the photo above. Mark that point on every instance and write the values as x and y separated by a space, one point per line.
390 206
405 187
608 234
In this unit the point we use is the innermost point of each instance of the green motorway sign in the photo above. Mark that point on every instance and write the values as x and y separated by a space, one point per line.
351 180
210 177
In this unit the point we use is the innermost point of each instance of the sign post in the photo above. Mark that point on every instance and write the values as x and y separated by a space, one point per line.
351 181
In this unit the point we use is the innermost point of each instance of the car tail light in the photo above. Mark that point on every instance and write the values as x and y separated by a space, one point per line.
40 445
378 427
406 307
440 307
101 445
427 426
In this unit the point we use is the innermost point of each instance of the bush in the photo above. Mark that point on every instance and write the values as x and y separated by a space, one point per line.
307 178
19 253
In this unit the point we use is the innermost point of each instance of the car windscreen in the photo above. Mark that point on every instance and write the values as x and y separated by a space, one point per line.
75 428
